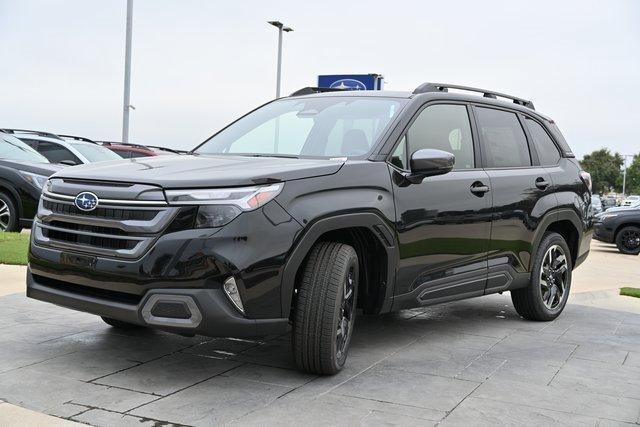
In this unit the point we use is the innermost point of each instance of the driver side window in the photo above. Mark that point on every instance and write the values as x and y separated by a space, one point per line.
442 127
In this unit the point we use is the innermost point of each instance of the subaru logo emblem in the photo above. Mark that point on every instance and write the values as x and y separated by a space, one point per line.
348 84
86 201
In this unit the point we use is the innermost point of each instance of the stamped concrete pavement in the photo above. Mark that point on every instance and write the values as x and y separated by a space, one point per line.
473 362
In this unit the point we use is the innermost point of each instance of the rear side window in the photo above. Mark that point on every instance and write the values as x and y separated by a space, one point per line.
503 139
547 150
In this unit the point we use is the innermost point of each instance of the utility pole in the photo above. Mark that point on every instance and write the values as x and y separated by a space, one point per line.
281 28
127 74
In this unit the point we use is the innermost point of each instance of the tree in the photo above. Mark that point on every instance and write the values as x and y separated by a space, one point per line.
604 168
633 176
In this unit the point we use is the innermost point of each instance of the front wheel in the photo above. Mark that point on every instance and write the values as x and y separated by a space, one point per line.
550 282
628 240
9 220
326 308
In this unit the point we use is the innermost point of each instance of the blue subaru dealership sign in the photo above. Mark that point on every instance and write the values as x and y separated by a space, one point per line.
351 81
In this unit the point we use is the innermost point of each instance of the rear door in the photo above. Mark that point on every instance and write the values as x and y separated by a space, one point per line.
521 191
443 223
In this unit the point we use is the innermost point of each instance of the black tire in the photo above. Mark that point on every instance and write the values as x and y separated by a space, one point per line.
9 220
324 318
628 240
532 302
119 324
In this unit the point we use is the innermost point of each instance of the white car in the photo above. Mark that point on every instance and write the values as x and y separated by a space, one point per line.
631 201
66 150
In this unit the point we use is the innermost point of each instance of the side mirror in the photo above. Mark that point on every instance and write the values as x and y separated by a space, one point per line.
68 162
430 162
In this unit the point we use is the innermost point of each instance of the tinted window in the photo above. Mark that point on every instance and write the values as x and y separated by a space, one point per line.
56 153
547 150
446 128
504 141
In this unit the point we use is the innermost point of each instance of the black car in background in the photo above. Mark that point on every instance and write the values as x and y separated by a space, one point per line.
621 227
23 172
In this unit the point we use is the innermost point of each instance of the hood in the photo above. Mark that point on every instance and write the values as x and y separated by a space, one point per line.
193 171
45 169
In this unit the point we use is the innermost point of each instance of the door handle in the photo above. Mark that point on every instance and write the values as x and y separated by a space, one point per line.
479 189
542 183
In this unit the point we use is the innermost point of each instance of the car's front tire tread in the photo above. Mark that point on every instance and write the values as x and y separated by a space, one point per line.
319 293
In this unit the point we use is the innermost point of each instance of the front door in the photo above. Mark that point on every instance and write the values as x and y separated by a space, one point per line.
443 223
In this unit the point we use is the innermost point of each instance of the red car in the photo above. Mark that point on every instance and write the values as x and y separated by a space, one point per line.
131 151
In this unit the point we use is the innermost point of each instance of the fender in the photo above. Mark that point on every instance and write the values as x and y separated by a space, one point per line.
370 220
552 217
6 185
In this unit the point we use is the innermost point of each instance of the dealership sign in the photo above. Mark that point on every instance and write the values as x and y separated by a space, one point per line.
351 81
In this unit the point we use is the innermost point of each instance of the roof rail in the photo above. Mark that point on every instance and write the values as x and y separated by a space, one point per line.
78 138
33 132
310 90
444 87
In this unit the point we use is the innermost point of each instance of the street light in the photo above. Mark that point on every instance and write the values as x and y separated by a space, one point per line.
624 174
281 28
127 74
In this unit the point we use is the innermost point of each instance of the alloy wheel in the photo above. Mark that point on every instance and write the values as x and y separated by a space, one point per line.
631 239
553 277
5 216
345 322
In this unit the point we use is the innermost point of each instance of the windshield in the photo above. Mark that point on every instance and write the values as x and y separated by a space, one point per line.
95 153
14 149
315 127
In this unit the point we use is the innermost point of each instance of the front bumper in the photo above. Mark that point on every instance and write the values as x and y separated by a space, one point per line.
603 233
212 315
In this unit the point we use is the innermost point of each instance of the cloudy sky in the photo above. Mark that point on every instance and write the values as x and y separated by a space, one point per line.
199 63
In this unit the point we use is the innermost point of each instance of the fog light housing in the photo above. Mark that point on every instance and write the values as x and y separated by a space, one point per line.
231 289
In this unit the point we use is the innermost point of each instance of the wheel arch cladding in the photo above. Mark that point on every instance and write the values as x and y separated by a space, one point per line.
566 223
374 242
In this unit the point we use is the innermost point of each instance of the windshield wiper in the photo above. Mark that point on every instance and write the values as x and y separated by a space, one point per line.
285 156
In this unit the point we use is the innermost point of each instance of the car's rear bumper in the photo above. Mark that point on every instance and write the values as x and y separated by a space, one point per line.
209 312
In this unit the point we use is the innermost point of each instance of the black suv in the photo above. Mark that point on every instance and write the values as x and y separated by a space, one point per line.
317 205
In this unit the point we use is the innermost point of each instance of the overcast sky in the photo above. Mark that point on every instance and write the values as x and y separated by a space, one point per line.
197 64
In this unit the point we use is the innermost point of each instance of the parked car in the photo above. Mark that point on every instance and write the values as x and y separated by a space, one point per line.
621 227
608 202
67 150
596 204
130 151
631 201
23 172
372 201
622 207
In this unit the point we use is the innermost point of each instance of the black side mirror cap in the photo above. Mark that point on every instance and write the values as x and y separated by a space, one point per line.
429 162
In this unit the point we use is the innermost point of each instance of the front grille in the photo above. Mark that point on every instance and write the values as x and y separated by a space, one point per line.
116 214
88 240
118 228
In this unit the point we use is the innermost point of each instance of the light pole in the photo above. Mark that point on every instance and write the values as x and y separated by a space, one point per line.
127 74
281 28
624 174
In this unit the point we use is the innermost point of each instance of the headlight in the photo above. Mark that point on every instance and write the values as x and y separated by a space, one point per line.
219 206
36 180
606 216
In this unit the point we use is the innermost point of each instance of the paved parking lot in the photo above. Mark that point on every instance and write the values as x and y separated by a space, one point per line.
470 362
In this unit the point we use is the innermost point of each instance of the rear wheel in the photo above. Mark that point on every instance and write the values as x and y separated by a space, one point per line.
119 324
628 240
550 282
326 308
9 220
